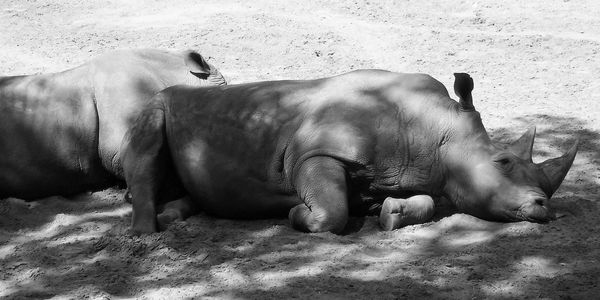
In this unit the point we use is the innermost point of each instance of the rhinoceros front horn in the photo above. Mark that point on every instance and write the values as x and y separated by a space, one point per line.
523 147
556 169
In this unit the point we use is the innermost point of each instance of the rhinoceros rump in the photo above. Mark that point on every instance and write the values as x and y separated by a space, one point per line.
60 133
319 150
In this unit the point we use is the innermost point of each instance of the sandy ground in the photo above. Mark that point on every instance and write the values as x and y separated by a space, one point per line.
536 62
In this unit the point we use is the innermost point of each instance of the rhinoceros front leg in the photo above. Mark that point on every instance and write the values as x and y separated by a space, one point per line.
397 213
143 166
321 184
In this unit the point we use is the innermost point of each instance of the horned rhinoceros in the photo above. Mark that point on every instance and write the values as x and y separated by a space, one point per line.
319 150
61 133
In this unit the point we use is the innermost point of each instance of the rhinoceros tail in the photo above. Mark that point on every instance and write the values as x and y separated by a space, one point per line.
463 86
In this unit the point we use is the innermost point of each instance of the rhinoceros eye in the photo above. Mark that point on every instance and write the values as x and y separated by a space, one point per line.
504 162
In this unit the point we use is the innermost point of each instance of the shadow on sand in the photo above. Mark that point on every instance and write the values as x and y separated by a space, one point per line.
92 252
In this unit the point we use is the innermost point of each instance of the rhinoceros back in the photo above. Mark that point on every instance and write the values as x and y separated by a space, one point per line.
237 146
123 82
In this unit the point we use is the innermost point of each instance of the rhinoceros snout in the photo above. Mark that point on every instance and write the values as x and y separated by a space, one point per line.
536 210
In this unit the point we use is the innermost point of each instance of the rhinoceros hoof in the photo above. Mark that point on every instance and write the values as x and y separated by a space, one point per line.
167 217
397 213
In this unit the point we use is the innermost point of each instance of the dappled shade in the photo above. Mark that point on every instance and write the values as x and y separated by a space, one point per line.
74 247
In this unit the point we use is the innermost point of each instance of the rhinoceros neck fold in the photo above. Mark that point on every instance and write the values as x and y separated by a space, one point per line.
468 144
424 127
421 169
437 139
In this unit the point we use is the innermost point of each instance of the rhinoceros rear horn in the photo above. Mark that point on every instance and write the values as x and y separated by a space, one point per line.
196 63
463 86
556 169
523 147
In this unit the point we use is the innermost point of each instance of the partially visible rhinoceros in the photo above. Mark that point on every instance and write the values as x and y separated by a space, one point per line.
319 150
60 133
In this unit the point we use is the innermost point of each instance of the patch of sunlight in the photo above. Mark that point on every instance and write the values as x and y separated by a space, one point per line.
330 251
381 269
530 267
98 230
274 257
7 287
228 274
443 226
537 266
440 282
520 228
268 232
468 238
423 233
185 291
458 230
163 271
55 227
502 288
7 250
278 278
61 220
23 278
368 275
166 17
377 254
240 248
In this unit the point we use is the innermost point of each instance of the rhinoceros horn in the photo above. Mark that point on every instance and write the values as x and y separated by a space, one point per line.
555 169
463 86
523 147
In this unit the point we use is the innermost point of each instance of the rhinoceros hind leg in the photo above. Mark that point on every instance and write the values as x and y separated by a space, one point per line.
177 210
144 162
397 213
321 183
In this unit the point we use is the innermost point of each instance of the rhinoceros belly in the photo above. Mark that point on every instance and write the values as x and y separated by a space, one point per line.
228 186
226 157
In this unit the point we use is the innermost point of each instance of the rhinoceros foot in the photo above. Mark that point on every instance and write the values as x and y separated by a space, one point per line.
174 211
397 213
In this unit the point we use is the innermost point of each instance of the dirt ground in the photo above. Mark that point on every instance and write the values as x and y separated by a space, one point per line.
536 62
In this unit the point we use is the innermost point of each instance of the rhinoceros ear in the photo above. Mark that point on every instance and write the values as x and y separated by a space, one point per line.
463 86
523 147
556 169
196 63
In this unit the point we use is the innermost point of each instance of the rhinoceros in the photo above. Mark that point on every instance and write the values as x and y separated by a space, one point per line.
61 133
320 150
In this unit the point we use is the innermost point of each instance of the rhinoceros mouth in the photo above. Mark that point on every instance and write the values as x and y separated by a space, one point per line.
534 213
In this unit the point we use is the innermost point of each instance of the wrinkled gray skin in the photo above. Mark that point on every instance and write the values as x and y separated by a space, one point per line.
61 133
320 150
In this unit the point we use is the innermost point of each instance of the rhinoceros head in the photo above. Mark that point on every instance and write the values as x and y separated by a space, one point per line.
499 182
200 68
